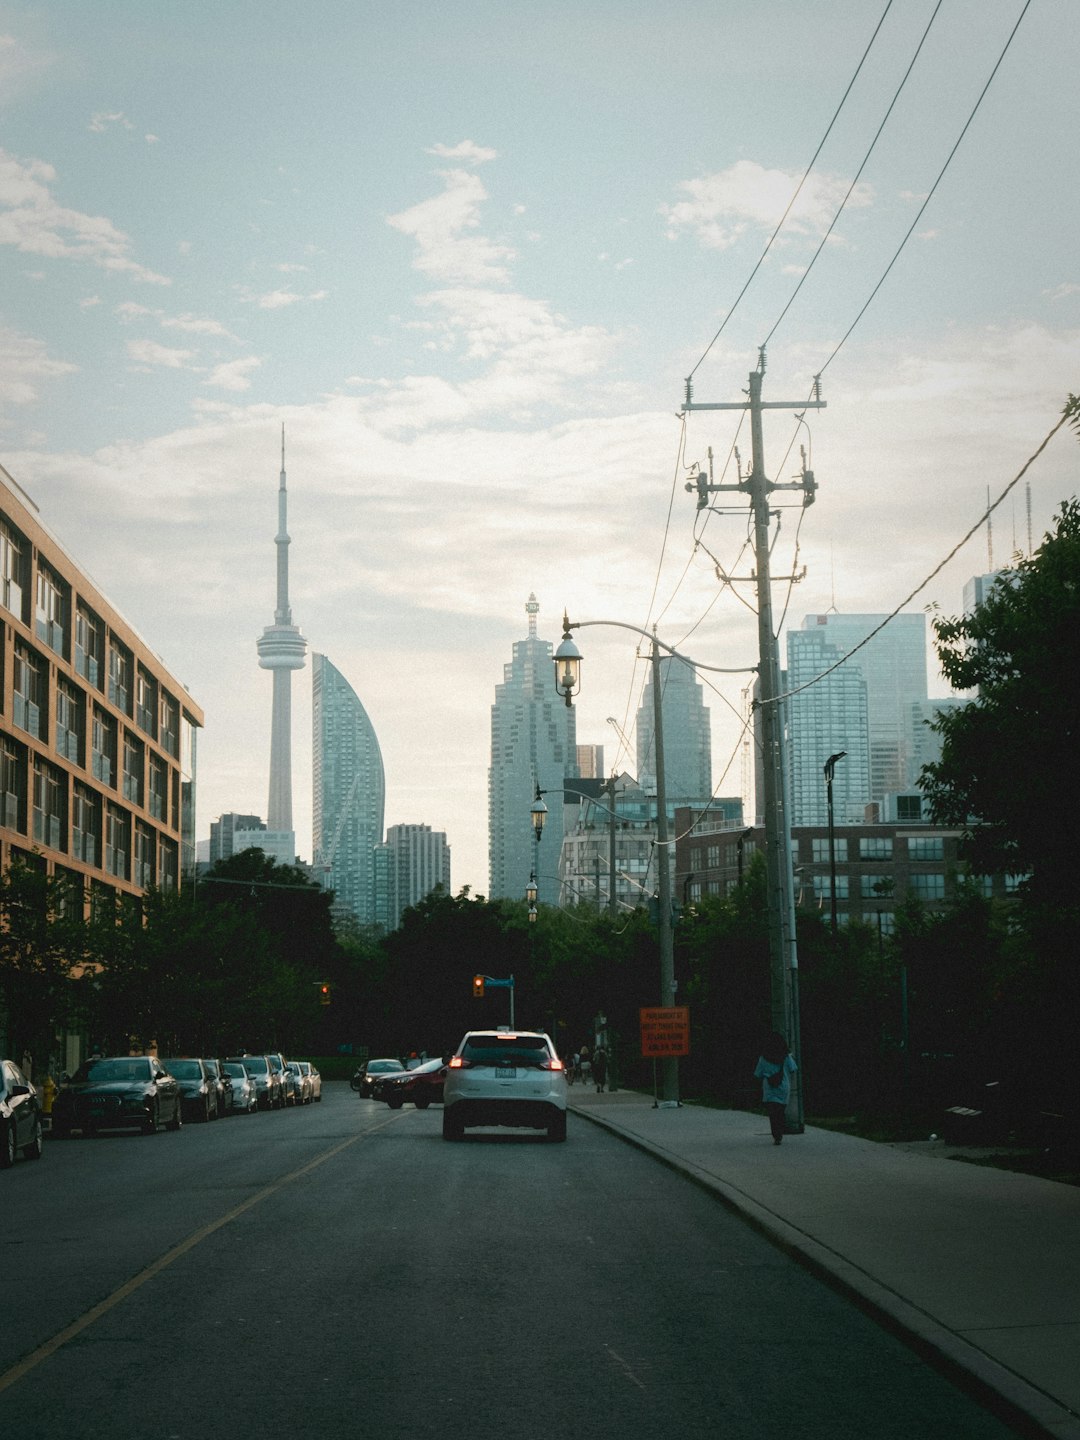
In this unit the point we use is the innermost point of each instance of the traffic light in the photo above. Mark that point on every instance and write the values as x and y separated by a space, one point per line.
324 994
478 987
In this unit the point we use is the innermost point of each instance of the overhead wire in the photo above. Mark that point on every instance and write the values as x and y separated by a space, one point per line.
922 208
858 174
1068 416
798 191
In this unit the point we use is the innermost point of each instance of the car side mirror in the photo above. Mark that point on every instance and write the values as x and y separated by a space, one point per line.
19 1090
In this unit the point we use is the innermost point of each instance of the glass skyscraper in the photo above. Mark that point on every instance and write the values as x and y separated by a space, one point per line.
533 742
863 706
349 792
687 735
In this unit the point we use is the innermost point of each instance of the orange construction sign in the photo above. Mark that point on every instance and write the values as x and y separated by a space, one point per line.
665 1031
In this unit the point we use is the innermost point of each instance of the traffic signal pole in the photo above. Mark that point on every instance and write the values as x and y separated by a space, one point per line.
783 949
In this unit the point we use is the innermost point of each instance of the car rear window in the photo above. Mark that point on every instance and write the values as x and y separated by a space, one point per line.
524 1050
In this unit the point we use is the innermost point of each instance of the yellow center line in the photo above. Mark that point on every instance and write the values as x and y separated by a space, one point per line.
50 1347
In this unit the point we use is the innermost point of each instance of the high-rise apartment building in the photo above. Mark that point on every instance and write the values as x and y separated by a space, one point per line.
416 861
687 735
349 792
862 706
223 833
533 743
97 738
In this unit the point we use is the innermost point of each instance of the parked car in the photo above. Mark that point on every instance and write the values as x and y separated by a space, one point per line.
371 1071
268 1083
116 1092
297 1088
277 1065
314 1076
20 1116
505 1077
222 1084
198 1089
243 1095
420 1086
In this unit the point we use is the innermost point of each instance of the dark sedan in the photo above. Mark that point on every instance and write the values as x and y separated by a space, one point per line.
118 1092
198 1088
364 1083
20 1116
421 1086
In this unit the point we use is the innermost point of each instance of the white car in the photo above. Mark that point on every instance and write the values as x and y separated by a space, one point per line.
505 1077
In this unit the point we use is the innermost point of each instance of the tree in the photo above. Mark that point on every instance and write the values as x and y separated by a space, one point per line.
42 946
1009 773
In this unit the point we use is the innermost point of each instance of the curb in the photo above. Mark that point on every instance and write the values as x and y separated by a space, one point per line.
1001 1391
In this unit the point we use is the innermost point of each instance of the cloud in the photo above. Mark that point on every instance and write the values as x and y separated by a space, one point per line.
196 325
24 363
466 151
149 352
233 374
444 227
723 206
279 299
89 302
152 139
101 121
33 222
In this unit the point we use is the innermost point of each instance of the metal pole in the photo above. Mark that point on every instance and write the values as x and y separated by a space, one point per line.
613 907
670 1066
832 848
783 954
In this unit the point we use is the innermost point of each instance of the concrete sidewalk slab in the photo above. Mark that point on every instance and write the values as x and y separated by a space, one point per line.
978 1267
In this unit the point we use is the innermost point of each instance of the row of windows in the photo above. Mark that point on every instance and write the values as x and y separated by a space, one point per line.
35 800
143 778
100 657
924 885
876 847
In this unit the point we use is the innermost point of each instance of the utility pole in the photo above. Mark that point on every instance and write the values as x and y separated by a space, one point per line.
783 951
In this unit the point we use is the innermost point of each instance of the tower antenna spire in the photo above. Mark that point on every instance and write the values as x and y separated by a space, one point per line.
281 649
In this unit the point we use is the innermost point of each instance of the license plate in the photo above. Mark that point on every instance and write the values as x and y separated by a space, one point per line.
505 1072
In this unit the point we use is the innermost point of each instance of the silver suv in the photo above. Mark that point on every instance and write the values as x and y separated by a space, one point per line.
505 1077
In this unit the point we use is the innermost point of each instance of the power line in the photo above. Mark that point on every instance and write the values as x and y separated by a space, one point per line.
795 196
858 174
930 196
1069 415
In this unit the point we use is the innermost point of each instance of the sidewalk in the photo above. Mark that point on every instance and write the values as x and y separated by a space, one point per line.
980 1267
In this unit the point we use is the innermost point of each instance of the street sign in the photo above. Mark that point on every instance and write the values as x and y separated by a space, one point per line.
499 984
665 1031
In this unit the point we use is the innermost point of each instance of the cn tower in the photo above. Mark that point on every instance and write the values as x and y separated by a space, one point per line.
281 649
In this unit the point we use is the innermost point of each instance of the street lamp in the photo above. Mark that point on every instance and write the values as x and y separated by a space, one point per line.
830 767
567 682
538 813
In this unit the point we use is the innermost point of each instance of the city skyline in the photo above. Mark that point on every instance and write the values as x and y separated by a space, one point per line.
472 294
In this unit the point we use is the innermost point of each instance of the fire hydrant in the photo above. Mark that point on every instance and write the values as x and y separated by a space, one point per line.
48 1095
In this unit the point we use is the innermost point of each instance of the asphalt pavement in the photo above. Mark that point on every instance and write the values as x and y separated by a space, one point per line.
978 1268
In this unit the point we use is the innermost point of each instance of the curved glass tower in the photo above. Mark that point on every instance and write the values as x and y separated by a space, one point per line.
349 791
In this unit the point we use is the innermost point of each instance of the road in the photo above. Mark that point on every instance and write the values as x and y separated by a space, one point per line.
340 1272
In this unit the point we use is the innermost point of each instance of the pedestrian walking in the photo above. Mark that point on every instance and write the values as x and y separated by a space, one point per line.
775 1068
586 1065
599 1069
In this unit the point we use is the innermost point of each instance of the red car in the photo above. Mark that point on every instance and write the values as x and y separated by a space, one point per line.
421 1086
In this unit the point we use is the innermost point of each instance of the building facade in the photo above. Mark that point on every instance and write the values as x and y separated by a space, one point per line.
533 744
862 706
416 862
877 865
97 737
687 734
349 792
223 833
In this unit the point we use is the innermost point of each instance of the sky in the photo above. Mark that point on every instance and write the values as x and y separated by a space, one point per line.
468 254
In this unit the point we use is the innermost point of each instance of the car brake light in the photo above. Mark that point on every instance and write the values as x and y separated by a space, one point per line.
458 1062
553 1064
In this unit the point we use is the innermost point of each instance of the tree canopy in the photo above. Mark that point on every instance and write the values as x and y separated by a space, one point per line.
1010 766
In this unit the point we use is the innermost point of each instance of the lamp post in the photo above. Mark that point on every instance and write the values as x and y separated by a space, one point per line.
568 682
830 767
